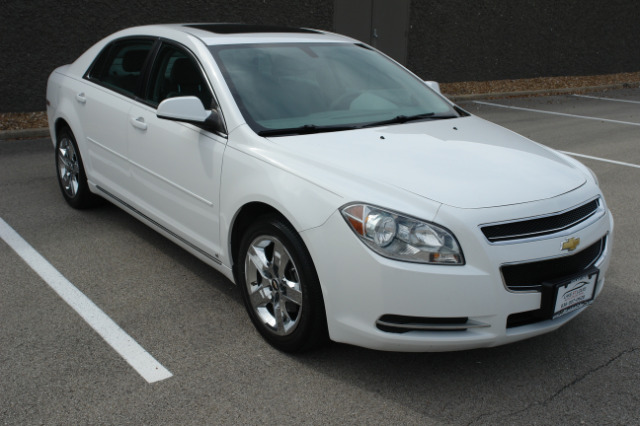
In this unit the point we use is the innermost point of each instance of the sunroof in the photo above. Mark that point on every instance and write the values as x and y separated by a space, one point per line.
244 29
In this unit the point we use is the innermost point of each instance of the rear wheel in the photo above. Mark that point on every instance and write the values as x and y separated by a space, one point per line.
70 171
280 286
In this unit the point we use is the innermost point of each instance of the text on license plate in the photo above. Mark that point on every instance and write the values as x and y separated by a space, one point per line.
575 294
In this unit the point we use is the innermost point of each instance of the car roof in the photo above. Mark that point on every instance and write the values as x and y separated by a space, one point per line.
235 33
225 28
207 34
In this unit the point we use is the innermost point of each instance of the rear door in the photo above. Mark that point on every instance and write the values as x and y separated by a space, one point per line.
117 75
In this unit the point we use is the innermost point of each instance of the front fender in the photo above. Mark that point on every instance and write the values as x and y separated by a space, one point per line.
249 179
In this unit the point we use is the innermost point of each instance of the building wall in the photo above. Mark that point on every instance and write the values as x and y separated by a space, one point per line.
480 40
448 40
36 36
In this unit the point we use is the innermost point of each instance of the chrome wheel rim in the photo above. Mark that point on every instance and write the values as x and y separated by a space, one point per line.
68 167
273 285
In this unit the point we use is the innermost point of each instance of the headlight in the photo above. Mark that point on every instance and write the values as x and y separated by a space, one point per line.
402 238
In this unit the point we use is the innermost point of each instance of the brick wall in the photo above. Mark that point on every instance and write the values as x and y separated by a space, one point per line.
37 36
449 40
462 40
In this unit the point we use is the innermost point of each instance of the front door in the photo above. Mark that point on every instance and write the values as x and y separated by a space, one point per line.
176 166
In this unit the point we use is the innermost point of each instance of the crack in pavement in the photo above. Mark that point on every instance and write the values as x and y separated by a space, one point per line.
587 374
549 399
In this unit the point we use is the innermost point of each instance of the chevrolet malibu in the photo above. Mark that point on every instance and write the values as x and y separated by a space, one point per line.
347 198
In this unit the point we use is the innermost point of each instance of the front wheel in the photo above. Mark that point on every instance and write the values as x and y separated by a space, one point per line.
280 287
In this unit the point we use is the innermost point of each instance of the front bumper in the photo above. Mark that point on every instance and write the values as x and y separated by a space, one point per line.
363 290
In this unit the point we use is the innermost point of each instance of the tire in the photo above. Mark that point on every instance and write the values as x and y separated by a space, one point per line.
280 286
70 172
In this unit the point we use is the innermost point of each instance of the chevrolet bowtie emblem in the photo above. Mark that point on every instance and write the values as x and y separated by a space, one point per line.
571 244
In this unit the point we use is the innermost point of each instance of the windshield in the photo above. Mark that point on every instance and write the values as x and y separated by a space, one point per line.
304 87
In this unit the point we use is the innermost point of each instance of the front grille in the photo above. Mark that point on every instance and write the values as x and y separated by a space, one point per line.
530 276
529 228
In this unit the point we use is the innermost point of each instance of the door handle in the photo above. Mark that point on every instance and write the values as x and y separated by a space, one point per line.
80 97
139 123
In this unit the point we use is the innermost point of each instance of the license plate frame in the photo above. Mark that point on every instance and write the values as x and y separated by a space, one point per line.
571 293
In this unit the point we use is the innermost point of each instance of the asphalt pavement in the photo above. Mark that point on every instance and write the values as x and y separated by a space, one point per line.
56 369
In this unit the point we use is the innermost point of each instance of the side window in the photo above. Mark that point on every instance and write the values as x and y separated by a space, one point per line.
120 65
176 73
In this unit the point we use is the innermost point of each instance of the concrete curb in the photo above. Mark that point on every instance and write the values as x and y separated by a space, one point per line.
562 91
44 131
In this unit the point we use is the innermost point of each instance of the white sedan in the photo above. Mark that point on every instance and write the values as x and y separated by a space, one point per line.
347 198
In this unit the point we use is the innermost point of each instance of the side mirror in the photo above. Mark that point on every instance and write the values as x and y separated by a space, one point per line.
189 109
434 86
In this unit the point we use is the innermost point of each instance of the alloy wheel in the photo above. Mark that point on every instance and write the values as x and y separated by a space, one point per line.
273 285
68 167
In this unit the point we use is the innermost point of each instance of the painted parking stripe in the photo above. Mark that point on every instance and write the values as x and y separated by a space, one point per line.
150 369
607 99
619 163
557 113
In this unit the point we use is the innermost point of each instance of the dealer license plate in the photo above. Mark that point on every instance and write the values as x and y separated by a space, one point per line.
574 294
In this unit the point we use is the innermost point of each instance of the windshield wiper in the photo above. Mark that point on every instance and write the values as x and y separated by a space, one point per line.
304 130
399 119
312 128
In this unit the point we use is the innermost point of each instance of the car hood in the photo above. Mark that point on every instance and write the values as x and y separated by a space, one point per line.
465 162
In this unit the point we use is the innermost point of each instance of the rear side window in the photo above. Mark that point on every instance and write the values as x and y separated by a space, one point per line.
119 66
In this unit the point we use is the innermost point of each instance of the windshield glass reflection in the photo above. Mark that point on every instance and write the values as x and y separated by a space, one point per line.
324 87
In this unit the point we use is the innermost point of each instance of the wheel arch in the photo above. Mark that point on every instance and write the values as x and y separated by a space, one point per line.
244 218
73 124
247 215
60 124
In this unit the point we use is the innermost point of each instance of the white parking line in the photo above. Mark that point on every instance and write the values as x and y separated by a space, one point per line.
607 99
150 369
557 113
620 163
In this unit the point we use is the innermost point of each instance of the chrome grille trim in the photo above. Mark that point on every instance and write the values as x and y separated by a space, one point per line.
543 226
